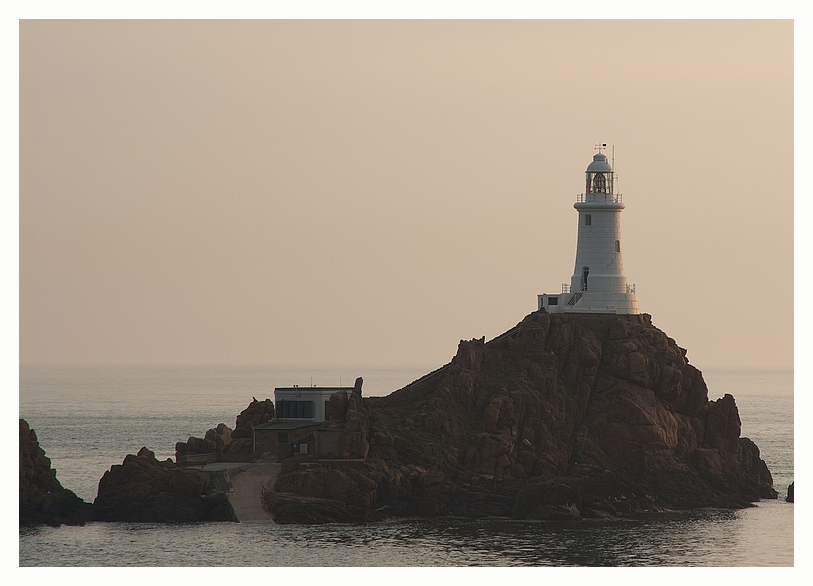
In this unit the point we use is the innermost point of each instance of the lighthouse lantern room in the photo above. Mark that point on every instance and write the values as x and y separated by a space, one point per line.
598 284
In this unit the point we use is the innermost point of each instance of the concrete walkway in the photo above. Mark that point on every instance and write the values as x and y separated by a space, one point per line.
249 481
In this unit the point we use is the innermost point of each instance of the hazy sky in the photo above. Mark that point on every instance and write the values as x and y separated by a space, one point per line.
371 192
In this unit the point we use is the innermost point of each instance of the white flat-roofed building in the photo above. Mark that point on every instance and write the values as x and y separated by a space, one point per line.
598 284
305 403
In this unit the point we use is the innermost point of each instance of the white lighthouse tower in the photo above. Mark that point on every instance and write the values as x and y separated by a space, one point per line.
598 284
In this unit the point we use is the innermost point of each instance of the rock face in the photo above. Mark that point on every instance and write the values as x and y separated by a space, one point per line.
222 439
43 501
215 440
142 489
565 416
355 423
256 413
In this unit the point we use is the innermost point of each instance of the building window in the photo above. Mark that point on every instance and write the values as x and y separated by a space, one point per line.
327 410
295 409
553 301
618 246
588 220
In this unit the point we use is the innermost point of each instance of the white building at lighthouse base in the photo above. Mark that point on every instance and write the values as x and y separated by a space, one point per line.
587 302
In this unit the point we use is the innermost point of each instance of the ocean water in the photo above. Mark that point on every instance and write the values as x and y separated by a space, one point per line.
89 417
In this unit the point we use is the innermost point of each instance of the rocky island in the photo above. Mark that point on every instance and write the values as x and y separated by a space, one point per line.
564 416
582 410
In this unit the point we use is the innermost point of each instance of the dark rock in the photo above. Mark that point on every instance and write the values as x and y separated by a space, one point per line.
223 431
43 500
142 489
356 423
722 425
563 417
254 415
239 446
338 406
215 440
291 508
381 438
193 444
553 499
789 498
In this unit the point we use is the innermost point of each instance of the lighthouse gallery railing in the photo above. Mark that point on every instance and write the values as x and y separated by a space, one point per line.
599 197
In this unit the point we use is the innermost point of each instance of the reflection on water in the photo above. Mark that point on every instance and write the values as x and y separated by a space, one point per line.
689 538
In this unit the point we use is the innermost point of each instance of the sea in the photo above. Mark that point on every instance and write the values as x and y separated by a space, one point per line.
90 417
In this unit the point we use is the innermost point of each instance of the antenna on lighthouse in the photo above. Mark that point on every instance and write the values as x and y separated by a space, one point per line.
617 183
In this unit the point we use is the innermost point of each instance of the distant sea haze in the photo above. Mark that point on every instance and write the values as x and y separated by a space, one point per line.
88 418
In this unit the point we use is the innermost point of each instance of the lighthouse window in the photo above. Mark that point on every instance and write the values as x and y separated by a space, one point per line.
618 246
600 183
588 220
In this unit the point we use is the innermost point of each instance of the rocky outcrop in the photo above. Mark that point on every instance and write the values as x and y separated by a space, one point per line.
355 423
215 440
142 489
43 500
564 416
256 413
368 491
222 439
789 498
338 408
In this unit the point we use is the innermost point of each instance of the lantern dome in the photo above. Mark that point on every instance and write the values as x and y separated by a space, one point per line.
599 164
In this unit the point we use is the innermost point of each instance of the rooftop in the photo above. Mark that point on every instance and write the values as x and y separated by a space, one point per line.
287 425
296 388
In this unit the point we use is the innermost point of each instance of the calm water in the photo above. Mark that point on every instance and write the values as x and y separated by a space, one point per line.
88 418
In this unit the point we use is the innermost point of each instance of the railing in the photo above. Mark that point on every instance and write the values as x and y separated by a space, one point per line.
599 197
629 288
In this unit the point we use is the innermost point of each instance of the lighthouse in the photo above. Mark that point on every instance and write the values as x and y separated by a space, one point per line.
598 284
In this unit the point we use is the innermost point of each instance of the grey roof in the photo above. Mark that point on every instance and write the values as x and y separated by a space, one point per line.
599 164
334 389
287 425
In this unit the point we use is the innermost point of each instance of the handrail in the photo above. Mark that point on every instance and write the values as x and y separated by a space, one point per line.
628 288
598 197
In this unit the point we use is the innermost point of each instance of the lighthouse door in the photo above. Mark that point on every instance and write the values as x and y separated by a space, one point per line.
585 272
